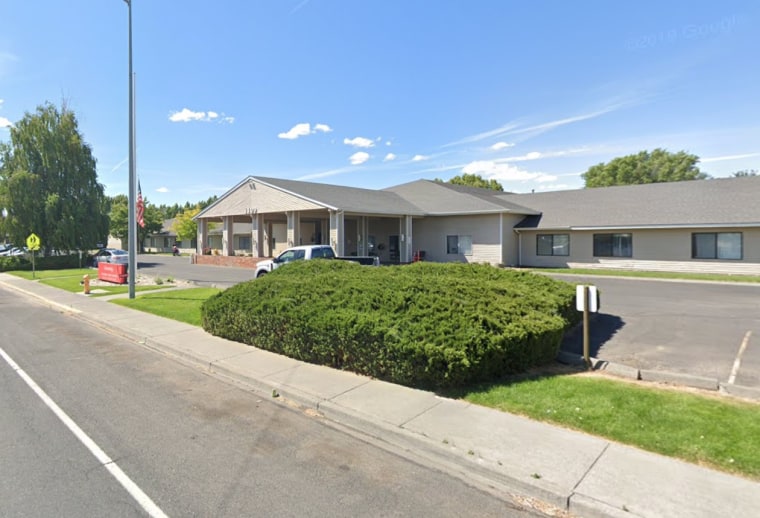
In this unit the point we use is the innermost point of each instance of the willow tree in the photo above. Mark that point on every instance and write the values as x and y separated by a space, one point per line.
49 185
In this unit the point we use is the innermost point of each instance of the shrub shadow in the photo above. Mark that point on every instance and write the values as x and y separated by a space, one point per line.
602 327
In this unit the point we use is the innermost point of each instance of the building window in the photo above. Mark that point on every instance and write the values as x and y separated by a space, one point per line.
245 243
613 245
459 245
553 244
716 245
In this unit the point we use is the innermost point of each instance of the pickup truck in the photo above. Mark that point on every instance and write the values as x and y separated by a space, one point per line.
307 252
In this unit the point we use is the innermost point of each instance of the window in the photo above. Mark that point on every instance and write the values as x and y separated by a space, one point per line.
459 245
716 245
552 244
613 245
244 243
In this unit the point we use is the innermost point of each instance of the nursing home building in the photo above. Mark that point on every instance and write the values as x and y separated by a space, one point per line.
700 225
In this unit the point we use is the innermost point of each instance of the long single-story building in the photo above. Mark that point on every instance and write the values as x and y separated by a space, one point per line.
701 225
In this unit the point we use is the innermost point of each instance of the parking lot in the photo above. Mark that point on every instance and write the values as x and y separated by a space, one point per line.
702 329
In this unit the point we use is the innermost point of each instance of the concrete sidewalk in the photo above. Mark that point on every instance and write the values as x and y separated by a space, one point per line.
586 475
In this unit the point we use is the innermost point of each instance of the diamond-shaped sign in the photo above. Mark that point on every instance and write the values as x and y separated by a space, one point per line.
33 242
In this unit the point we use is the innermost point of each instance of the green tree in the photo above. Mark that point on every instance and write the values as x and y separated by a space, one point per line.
119 220
48 183
474 180
645 167
746 172
184 225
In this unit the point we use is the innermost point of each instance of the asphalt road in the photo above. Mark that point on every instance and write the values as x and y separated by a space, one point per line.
193 444
685 327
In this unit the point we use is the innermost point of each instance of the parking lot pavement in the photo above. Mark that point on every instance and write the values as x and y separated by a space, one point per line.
686 328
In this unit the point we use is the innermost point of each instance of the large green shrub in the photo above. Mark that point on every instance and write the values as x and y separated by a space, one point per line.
54 262
425 325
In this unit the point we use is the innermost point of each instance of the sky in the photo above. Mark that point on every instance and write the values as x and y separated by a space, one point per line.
370 93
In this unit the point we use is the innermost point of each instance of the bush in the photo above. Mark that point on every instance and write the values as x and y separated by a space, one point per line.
55 262
425 325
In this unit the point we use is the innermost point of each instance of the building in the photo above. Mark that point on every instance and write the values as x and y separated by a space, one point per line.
701 225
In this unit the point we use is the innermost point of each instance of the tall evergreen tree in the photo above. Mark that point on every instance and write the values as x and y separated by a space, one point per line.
49 185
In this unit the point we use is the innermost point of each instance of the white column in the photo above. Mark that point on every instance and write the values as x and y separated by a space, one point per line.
294 228
227 234
257 236
202 236
407 251
337 238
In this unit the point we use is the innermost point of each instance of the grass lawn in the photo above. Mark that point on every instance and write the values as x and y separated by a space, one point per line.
181 305
713 431
652 275
69 280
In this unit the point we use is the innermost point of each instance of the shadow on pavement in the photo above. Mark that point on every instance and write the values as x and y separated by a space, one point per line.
602 328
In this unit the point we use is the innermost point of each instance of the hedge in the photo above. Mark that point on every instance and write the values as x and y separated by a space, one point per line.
54 262
425 325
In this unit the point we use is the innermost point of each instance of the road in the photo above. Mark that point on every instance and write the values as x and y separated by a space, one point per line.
684 327
190 443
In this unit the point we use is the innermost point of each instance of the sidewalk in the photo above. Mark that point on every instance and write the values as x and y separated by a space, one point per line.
586 475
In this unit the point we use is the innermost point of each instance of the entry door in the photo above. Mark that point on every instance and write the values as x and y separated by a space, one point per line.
393 249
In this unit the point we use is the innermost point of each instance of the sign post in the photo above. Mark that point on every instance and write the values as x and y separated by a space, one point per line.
586 300
33 244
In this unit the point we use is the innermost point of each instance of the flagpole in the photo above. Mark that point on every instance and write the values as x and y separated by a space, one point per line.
132 233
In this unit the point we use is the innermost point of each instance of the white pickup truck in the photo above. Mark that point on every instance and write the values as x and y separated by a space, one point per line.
307 252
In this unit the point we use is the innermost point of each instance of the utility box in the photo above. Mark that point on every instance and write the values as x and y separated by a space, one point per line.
116 273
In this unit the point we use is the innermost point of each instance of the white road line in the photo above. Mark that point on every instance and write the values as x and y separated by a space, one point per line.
738 360
144 500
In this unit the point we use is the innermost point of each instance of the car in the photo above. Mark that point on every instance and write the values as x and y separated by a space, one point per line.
12 250
110 255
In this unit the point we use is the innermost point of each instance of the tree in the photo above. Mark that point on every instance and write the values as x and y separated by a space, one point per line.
474 180
184 225
119 219
645 167
746 172
48 183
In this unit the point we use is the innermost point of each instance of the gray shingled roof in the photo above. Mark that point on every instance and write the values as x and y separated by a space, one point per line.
350 199
727 201
436 198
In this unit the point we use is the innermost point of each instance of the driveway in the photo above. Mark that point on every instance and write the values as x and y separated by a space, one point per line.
702 329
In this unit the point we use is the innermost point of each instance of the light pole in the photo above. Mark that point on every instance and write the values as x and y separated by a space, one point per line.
132 233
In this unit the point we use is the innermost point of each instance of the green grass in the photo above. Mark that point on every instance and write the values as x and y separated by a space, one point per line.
719 433
181 305
70 280
651 275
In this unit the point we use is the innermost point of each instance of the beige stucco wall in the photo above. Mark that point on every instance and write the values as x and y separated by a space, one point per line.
666 245
430 235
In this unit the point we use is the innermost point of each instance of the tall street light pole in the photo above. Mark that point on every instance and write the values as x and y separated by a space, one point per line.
132 233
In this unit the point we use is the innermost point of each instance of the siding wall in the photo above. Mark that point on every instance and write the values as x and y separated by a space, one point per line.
430 233
666 250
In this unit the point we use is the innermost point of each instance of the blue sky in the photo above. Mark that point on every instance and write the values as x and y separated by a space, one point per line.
378 93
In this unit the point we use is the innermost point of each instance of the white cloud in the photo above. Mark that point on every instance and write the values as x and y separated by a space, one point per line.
504 172
533 155
299 130
388 143
359 142
359 157
5 123
162 189
302 129
728 157
187 115
419 158
501 145
389 157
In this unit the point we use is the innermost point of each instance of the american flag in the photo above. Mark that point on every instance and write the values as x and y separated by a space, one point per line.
140 207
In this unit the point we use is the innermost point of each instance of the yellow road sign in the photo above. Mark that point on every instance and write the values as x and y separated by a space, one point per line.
33 242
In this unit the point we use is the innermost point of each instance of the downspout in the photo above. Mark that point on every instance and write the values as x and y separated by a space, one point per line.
519 247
